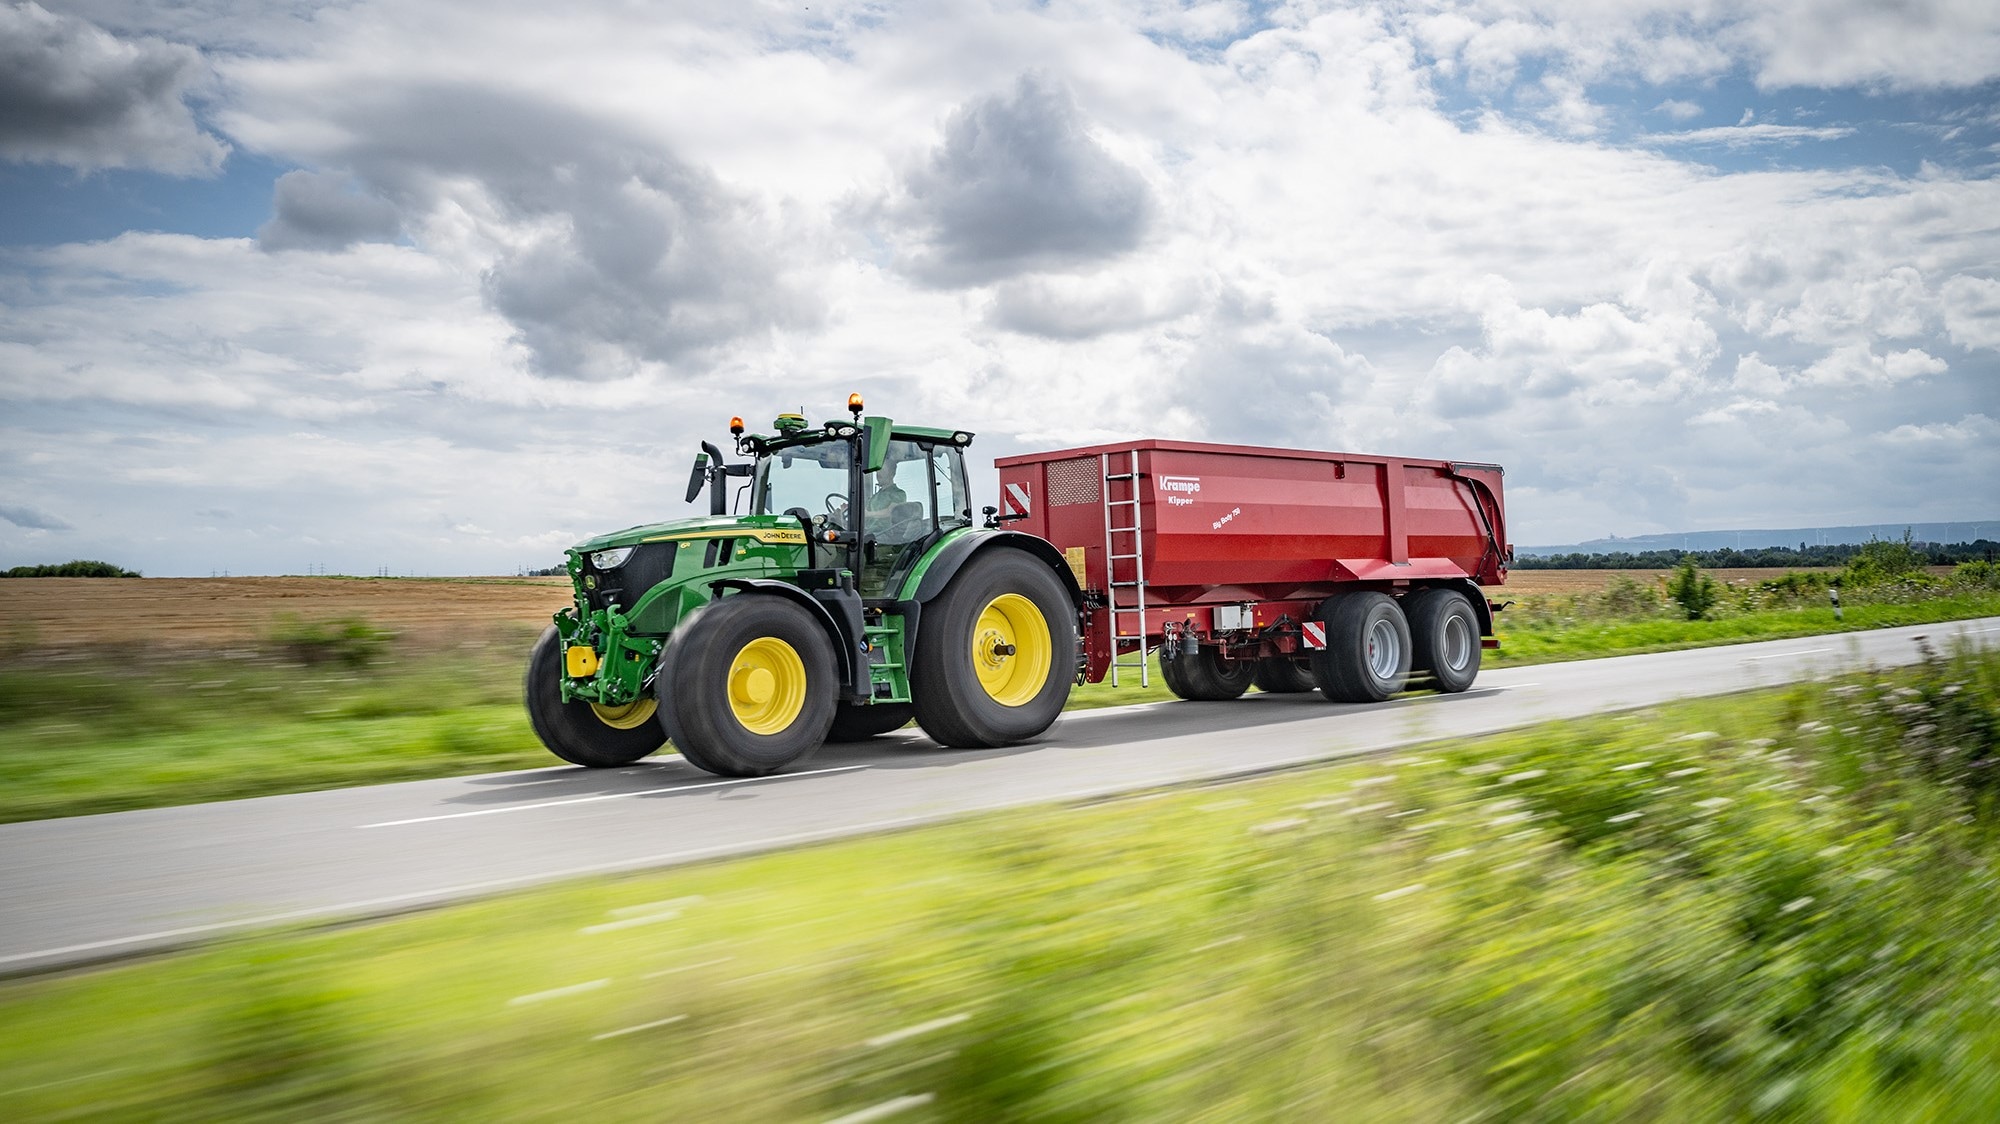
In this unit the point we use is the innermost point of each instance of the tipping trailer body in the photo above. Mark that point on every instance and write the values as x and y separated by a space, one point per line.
1239 546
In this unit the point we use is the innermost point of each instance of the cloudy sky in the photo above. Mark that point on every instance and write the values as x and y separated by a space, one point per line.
442 287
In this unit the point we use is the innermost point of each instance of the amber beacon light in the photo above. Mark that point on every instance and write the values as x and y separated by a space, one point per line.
736 427
854 406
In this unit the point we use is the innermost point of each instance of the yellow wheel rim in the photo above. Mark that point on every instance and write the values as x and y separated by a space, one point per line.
767 685
1011 649
631 716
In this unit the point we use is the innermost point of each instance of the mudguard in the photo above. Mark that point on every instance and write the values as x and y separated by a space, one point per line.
844 647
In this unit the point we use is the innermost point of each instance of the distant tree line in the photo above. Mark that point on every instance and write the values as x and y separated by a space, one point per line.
76 569
1775 557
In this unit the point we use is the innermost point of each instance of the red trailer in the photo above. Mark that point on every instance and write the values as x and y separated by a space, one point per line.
1289 568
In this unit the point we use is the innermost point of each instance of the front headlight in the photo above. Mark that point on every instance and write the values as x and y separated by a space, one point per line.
611 559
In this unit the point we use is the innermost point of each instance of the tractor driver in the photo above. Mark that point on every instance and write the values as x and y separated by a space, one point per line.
887 495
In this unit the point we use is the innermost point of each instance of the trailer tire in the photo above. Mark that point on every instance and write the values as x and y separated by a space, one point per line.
1283 675
996 654
750 684
573 730
1367 653
1444 637
853 723
1204 676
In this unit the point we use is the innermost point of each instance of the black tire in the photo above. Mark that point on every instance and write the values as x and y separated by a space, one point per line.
859 723
1367 653
1283 675
1204 676
706 683
952 703
572 730
1444 638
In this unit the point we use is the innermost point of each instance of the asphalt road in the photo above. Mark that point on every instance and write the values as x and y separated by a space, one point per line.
93 887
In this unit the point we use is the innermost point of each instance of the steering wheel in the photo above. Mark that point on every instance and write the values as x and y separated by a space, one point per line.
836 509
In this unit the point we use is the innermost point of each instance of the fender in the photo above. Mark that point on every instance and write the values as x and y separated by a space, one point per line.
953 557
843 646
1480 608
955 554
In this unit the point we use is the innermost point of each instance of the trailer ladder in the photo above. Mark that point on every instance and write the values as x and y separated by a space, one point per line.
1137 556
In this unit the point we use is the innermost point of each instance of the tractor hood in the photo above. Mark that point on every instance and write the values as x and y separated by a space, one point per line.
764 528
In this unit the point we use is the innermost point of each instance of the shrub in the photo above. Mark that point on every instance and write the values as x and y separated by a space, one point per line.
350 641
1695 592
1881 561
1976 573
74 569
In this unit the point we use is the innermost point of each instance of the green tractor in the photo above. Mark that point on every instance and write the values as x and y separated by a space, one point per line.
856 594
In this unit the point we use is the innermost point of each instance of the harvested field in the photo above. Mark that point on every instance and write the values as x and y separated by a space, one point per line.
189 612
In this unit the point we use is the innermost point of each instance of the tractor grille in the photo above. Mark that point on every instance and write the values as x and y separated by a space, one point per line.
1073 482
650 564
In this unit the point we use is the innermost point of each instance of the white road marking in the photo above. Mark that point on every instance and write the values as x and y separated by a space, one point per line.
1995 629
1782 655
881 1040
654 907
558 992
884 1110
636 1029
607 796
631 922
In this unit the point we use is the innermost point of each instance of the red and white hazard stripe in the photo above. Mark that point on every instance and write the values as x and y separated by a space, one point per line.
1014 500
1315 634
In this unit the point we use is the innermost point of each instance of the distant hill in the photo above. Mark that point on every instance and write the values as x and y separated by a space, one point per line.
1792 537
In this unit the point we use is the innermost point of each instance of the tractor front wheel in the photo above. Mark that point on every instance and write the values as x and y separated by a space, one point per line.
997 653
584 733
750 684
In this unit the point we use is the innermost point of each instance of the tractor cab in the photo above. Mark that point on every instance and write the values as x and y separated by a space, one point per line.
872 496
892 509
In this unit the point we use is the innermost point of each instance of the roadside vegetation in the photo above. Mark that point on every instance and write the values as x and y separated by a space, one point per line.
1769 906
1883 585
318 704
76 569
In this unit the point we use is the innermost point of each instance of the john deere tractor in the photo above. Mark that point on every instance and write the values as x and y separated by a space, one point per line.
854 594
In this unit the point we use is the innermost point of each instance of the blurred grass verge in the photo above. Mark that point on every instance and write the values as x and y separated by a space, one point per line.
325 704
1768 906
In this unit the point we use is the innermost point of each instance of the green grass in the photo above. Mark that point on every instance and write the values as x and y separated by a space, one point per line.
87 733
1554 628
1770 906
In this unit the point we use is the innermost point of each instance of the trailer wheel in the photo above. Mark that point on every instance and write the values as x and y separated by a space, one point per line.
749 681
1367 653
1204 676
1283 675
996 653
858 723
1444 637
584 733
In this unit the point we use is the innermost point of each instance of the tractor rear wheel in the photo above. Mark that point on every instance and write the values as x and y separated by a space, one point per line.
858 723
1367 653
750 685
1203 675
996 653
583 733
1283 675
1444 638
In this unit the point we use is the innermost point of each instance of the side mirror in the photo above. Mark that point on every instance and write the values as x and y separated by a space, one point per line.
698 476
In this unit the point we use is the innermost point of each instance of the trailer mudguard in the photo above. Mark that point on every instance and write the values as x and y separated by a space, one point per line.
844 646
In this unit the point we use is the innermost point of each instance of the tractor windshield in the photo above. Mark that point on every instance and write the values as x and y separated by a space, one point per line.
812 478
